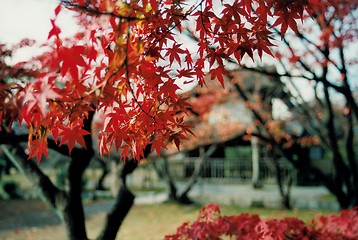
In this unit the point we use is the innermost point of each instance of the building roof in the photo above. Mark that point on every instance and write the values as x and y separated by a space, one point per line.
219 114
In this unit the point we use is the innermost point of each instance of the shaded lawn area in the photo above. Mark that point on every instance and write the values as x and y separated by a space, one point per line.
144 222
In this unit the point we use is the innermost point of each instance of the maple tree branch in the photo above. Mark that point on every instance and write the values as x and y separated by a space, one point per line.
318 99
52 195
254 69
274 73
315 77
305 108
123 201
86 8
311 115
347 88
63 149
184 16
303 37
197 169
128 75
244 96
300 61
12 139
330 183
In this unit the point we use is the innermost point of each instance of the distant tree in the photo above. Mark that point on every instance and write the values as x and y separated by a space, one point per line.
123 64
318 55
251 95
163 170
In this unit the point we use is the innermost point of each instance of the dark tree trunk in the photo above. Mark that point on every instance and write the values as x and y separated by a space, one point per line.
163 172
74 219
342 175
73 214
114 219
68 205
105 171
184 198
352 160
53 196
124 201
341 184
172 191
285 191
333 187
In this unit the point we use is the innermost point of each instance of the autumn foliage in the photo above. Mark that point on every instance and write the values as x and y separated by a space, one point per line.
125 63
211 225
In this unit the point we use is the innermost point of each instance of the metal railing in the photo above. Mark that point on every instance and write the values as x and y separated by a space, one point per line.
223 170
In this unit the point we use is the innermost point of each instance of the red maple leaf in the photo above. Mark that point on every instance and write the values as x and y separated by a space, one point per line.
174 52
38 147
72 134
55 30
157 145
218 73
36 96
71 59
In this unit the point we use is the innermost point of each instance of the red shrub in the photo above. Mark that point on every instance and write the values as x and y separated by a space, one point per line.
337 226
210 225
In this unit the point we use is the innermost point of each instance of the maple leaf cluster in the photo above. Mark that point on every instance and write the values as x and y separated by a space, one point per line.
124 64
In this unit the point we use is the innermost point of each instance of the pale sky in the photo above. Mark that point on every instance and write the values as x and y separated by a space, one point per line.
30 19
25 18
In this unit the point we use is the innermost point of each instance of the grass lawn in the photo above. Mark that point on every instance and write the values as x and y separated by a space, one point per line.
144 222
155 221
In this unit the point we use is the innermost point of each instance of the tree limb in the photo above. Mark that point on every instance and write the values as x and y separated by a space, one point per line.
55 197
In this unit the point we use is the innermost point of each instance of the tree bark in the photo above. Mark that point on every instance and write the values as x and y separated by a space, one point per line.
183 198
124 201
114 219
342 174
285 194
105 171
53 196
163 172
74 217
67 205
73 214
352 160
255 163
